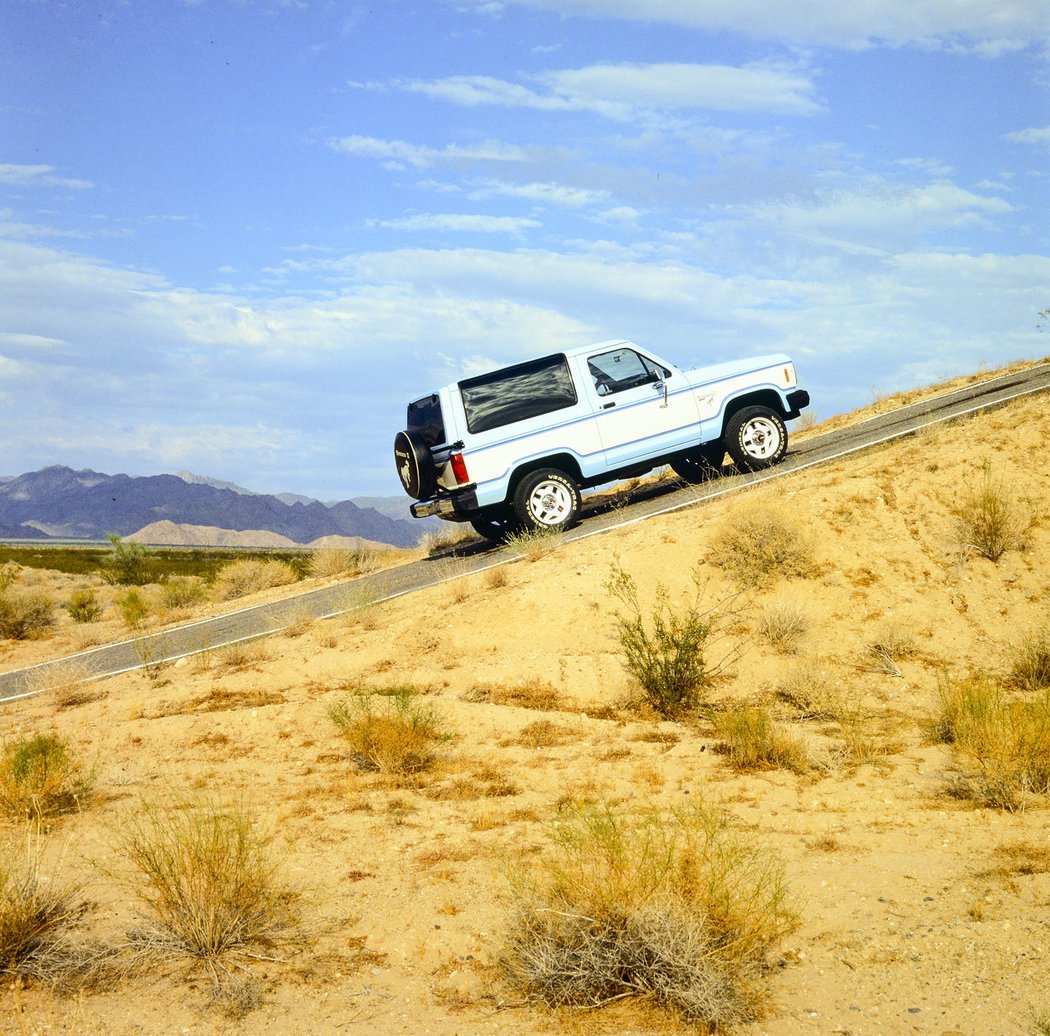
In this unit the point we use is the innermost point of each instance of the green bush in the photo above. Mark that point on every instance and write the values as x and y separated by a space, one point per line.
134 608
669 907
25 613
182 591
40 776
753 741
127 563
83 606
666 654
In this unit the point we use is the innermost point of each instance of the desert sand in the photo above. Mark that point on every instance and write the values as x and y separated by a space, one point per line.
914 916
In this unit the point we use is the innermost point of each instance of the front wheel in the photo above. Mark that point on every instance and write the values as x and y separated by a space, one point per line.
756 438
546 499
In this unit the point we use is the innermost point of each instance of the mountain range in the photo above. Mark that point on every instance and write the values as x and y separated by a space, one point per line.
60 503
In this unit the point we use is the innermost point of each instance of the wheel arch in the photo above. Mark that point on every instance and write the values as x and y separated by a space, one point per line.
762 397
562 461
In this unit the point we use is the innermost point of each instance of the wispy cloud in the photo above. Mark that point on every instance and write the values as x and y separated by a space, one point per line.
990 29
1037 136
36 175
401 154
628 92
459 223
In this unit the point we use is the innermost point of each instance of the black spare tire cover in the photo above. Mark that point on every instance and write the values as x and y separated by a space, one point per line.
415 465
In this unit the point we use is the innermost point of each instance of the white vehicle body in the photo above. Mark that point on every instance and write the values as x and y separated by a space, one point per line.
593 414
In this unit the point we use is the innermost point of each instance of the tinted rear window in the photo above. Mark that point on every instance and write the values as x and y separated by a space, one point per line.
424 416
517 393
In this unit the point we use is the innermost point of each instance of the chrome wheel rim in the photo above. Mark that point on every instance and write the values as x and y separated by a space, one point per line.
550 503
760 438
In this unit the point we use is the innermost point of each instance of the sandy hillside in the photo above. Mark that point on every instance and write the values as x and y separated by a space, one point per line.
919 912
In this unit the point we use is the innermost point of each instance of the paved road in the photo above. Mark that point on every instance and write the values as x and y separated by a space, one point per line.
671 495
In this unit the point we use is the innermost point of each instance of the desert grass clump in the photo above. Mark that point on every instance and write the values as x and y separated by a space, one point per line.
1001 742
760 542
887 648
666 652
669 907
249 576
83 606
134 607
67 684
447 536
182 592
394 735
752 740
25 614
333 562
209 888
811 692
41 776
533 544
38 912
1031 668
784 622
988 520
529 693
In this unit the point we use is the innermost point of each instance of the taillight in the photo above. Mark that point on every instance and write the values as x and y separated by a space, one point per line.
459 468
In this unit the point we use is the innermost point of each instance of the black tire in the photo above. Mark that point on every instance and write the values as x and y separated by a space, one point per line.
756 438
546 499
415 465
701 464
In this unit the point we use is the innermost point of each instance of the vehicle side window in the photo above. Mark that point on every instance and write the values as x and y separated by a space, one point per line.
517 393
425 417
623 369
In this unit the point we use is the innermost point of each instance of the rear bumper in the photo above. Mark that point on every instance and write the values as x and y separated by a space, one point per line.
457 507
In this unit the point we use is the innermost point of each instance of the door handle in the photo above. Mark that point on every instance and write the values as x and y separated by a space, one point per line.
605 406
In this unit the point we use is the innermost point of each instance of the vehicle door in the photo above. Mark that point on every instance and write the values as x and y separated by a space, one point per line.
643 409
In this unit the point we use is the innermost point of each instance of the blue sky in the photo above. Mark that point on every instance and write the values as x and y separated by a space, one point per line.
237 236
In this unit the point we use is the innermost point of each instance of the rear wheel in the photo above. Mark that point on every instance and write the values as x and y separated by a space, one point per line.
546 499
700 464
756 438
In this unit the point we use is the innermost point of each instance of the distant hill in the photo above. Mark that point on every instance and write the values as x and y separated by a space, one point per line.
58 502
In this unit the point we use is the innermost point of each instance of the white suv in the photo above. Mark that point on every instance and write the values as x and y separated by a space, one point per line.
514 447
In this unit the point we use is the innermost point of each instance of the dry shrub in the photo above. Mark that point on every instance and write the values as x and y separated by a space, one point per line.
25 614
1031 668
784 623
890 645
988 520
40 776
533 544
182 592
246 654
763 541
133 606
333 562
210 889
543 734
67 683
1001 742
669 907
38 913
530 693
249 576
665 654
394 735
446 536
752 741
811 692
83 606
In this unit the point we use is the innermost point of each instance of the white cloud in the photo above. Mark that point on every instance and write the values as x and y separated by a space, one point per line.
627 92
1037 136
400 154
459 223
986 27
541 193
33 175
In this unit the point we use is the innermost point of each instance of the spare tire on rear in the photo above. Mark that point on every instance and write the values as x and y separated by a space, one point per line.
415 465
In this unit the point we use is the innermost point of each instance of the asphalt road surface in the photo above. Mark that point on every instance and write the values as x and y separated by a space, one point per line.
597 517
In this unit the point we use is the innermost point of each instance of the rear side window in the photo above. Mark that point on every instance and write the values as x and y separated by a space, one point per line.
517 393
424 416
